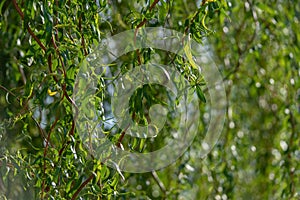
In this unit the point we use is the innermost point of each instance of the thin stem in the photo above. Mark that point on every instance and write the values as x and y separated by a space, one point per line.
28 28
82 186
142 23
122 136
82 37
26 108
158 181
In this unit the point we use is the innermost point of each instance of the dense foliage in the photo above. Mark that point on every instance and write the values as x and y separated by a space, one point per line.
256 45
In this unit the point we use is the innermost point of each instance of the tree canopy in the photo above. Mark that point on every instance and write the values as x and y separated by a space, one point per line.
255 46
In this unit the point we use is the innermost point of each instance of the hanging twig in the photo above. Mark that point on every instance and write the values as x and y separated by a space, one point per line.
142 23
82 186
28 28
158 181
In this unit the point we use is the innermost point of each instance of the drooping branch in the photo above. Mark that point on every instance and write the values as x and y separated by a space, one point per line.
28 28
142 23
82 186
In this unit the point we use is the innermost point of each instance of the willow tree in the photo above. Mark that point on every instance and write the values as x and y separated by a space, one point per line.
255 46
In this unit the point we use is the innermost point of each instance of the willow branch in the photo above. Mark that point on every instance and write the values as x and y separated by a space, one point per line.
142 23
158 181
82 186
28 28
82 37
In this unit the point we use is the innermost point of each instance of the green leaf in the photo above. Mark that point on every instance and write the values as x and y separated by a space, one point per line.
200 94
